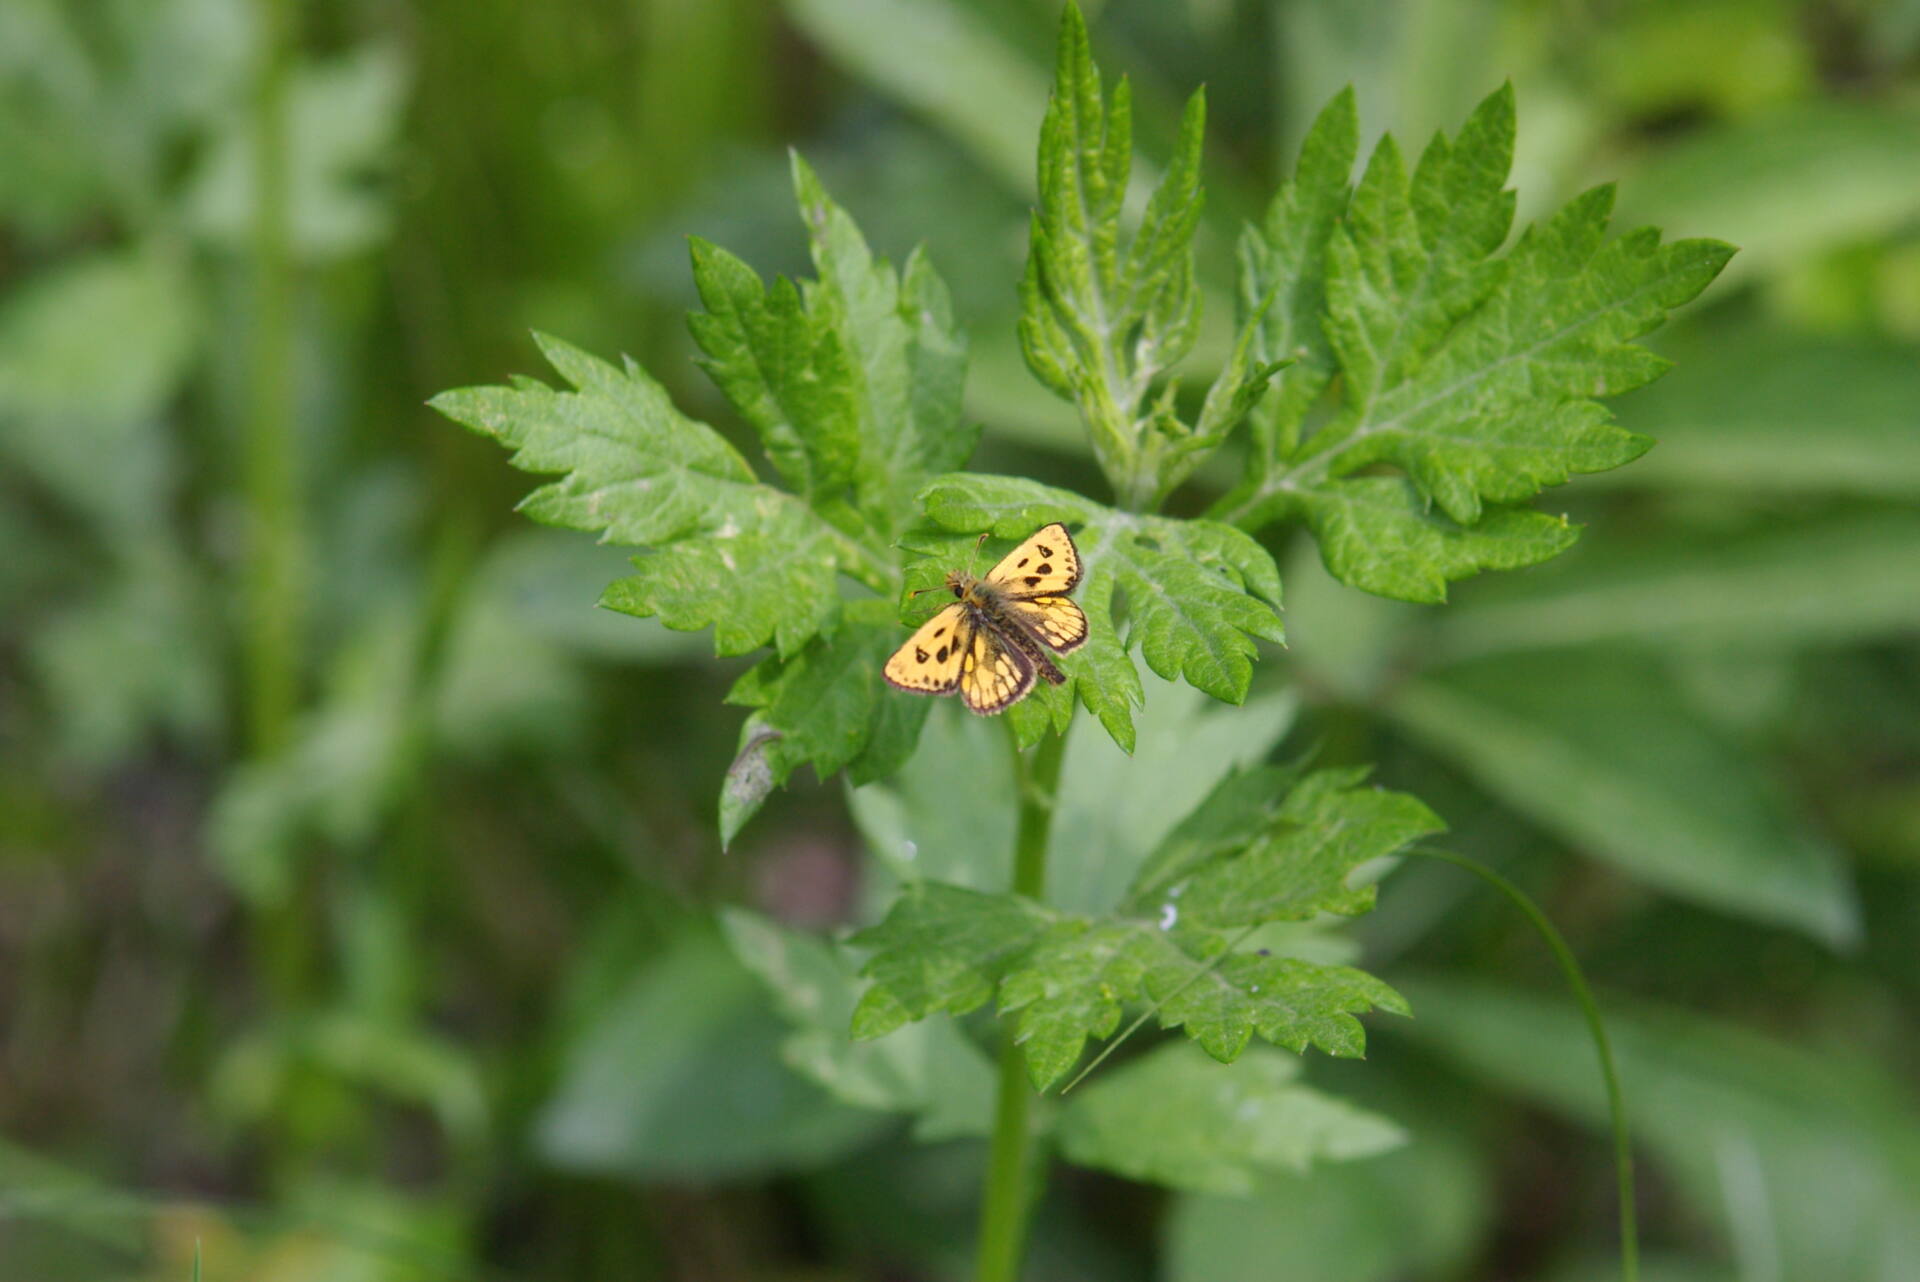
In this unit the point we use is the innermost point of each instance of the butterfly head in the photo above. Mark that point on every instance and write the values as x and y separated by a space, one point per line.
963 584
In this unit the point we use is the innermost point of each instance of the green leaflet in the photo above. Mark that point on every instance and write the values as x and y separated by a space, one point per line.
1255 851
1101 322
852 382
637 471
1475 373
829 705
930 1071
1176 1118
1197 593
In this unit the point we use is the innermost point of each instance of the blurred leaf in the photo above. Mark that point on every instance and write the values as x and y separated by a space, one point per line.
133 658
1762 411
1344 642
945 61
256 1080
1785 585
1599 748
929 1070
335 781
1475 373
1647 60
91 352
1809 1161
680 1079
948 813
1411 1214
502 684
1417 66
1177 1118
1787 185
324 1229
343 121
1652 1269
99 98
548 582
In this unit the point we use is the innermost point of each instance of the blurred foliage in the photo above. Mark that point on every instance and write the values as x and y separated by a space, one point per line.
436 991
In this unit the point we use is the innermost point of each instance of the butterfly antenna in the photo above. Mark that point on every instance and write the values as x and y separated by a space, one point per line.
973 561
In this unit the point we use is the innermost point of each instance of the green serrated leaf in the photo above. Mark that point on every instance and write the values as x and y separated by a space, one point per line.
1476 373
775 581
1376 533
853 384
638 471
1100 324
940 948
792 380
1177 1118
1236 865
1283 273
1068 977
829 703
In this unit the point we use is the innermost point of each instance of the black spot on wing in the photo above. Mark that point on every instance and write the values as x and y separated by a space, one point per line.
1045 568
919 654
939 656
1043 550
1033 580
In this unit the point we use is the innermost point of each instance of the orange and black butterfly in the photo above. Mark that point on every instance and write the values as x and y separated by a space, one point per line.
993 640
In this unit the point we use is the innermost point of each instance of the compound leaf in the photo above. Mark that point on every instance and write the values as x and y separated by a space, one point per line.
1475 373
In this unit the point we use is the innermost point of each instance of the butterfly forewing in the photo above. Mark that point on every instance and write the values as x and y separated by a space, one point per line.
1046 564
934 658
995 674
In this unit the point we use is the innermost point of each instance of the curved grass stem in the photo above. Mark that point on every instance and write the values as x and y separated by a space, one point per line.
1577 981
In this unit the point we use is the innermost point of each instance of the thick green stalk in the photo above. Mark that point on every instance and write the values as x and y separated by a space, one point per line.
273 572
1009 1191
1577 981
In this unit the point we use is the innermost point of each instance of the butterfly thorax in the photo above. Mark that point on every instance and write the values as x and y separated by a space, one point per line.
972 590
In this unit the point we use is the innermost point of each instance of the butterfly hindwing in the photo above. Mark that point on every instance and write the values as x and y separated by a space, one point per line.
995 674
1046 564
1053 619
934 658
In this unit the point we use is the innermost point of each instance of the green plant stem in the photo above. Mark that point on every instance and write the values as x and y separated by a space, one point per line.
283 937
1577 981
1009 1190
272 575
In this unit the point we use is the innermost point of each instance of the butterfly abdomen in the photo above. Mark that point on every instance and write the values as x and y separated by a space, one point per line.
997 619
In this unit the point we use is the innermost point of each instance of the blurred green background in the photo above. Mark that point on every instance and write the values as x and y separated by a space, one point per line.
356 875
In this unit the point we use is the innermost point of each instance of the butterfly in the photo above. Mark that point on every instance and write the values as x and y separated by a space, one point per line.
993 640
